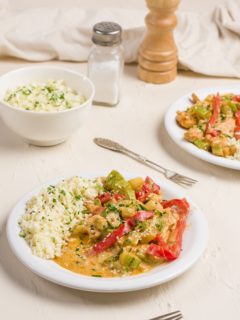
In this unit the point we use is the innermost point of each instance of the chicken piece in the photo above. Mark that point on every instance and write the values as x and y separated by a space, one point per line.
195 98
95 225
220 147
226 127
209 98
127 212
169 221
185 120
154 202
93 208
209 138
79 231
127 208
193 134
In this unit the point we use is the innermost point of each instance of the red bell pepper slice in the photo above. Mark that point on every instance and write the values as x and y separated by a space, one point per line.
214 133
216 110
237 125
160 248
161 252
169 252
124 228
141 196
110 239
236 98
181 205
104 197
181 225
148 187
143 215
118 196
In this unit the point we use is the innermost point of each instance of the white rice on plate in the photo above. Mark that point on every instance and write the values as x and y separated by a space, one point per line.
51 215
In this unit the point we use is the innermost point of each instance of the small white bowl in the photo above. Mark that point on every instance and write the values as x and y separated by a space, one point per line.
39 127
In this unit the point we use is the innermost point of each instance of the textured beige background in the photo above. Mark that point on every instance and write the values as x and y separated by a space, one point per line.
211 289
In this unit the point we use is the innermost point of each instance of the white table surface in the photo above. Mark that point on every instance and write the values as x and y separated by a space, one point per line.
210 290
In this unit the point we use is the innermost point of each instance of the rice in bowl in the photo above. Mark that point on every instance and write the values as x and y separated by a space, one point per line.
52 95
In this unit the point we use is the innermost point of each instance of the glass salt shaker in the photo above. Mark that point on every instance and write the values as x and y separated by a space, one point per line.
105 63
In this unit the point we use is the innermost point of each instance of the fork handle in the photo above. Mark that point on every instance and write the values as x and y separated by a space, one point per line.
142 159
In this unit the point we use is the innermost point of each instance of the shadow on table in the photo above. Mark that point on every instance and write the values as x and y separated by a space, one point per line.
18 275
12 142
8 139
191 74
130 69
191 162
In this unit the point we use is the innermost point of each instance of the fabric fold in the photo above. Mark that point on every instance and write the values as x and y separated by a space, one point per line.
207 43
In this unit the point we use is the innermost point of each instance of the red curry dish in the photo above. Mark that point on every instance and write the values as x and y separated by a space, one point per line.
213 124
127 229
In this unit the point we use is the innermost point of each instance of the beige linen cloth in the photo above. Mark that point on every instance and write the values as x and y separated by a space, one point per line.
207 43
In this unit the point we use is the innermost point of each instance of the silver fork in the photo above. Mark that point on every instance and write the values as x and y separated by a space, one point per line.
176 315
169 174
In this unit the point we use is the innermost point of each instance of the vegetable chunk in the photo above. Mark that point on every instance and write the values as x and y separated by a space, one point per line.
115 182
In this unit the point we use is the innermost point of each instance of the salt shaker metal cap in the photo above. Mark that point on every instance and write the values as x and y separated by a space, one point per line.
107 33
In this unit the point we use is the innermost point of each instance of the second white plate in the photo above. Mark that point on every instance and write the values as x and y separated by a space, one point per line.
177 133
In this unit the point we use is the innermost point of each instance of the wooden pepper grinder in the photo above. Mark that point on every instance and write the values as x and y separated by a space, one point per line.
158 53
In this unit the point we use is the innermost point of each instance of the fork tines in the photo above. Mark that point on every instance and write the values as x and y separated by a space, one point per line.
175 315
183 180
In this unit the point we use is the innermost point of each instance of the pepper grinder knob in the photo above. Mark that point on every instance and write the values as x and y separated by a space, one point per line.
157 56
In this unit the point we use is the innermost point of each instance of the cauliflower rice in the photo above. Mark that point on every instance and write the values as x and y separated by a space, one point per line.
50 216
53 95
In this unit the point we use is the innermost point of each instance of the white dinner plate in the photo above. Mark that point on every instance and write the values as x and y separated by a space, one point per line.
194 243
176 132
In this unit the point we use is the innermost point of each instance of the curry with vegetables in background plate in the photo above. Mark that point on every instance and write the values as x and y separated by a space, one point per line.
213 124
127 229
